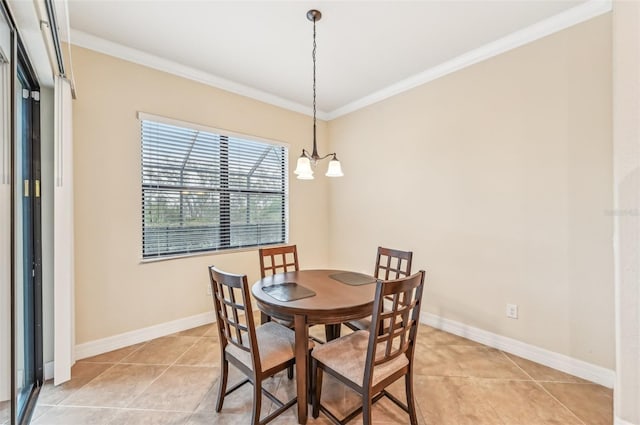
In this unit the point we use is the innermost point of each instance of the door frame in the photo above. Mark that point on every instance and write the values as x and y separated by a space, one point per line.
19 58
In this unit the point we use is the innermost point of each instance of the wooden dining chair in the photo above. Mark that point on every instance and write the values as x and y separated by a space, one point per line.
258 352
283 259
390 264
274 260
278 259
369 361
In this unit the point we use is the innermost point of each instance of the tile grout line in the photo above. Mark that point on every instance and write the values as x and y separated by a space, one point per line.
419 411
123 362
544 389
193 412
472 378
134 409
567 382
79 388
167 368
142 345
168 364
561 403
488 403
113 364
272 405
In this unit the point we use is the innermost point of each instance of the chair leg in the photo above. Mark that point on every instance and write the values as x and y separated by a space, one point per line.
408 386
222 388
310 378
257 402
290 372
317 384
331 332
366 408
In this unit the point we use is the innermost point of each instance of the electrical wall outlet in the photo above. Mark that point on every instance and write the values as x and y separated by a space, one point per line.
512 311
209 290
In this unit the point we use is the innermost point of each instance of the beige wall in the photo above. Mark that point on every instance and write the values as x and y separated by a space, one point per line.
499 178
626 137
114 292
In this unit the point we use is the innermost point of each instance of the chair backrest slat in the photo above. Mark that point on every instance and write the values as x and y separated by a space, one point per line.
394 327
392 263
280 259
222 314
232 298
234 316
232 304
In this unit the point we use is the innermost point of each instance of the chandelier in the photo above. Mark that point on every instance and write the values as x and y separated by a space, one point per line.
307 162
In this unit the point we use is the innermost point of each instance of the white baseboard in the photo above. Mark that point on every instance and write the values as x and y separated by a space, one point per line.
104 345
48 371
618 421
579 368
561 362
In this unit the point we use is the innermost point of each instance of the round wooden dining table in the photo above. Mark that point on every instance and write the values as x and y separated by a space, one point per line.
327 300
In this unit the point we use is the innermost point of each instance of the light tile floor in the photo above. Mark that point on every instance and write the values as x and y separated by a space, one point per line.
174 379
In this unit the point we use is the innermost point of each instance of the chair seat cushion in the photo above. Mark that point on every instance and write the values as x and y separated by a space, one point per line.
365 323
347 356
287 323
362 324
276 345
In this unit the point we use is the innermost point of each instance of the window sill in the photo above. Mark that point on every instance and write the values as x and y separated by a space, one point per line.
206 253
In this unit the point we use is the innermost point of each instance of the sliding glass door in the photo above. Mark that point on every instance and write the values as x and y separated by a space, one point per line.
24 341
27 243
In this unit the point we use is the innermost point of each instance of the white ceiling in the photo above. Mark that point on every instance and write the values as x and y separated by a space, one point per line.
263 48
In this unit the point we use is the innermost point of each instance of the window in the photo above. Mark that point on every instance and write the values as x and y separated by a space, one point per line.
203 190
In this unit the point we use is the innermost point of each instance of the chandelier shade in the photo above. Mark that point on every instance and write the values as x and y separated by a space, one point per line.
303 168
334 169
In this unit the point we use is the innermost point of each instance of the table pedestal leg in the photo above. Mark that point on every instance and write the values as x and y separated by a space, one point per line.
302 361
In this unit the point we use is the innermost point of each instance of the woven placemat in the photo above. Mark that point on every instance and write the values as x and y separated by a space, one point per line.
352 278
288 291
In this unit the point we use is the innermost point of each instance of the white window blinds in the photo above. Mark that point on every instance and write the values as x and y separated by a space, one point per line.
205 191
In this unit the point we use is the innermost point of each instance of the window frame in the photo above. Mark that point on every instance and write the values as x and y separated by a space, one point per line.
226 134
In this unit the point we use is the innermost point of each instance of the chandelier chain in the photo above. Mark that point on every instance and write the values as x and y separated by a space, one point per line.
313 54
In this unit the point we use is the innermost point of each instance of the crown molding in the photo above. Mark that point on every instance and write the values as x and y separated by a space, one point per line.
89 41
573 16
